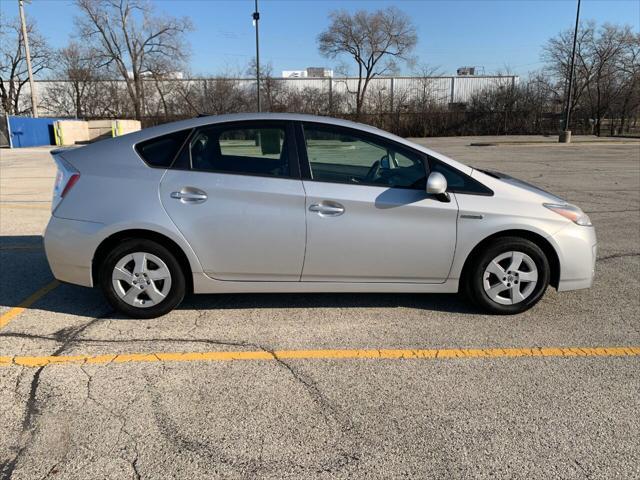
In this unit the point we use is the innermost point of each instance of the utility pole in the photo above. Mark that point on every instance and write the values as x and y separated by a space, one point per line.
565 135
25 39
256 19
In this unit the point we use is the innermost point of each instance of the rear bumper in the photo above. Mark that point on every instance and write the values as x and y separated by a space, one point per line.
577 250
69 246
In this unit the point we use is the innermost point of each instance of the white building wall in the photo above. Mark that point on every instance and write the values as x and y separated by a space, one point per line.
439 90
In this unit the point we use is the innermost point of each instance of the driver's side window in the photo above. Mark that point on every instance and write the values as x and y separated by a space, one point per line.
340 155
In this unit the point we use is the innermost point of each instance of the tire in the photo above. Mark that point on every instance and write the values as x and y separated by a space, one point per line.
495 286
142 279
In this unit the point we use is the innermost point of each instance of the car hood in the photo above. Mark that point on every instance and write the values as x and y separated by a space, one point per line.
521 184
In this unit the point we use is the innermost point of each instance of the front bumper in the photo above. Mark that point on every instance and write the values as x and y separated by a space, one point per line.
69 246
577 250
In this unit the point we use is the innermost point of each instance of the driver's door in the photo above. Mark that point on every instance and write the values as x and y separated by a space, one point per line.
369 218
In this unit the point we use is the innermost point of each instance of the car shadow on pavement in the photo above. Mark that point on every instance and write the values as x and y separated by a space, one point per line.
424 301
24 256
17 242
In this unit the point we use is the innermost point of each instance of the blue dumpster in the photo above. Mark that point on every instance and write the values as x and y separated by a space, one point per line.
31 132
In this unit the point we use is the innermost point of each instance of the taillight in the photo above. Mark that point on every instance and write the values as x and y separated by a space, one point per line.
70 183
66 178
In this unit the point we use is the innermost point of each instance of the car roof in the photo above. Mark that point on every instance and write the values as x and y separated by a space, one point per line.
159 130
243 117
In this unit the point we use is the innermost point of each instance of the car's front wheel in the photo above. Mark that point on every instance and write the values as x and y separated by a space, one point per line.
509 276
142 279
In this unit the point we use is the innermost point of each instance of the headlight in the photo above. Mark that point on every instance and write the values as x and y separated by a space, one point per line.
570 212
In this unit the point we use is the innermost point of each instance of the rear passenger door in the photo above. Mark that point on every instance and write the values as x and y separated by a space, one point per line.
235 193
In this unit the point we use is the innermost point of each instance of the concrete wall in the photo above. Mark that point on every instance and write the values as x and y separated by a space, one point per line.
99 129
122 127
71 132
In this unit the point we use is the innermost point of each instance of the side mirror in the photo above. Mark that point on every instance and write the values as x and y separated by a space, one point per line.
437 186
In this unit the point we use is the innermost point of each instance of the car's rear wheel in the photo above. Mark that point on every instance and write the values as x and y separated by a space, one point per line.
509 276
142 279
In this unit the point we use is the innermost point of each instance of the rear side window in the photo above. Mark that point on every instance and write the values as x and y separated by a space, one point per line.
160 151
254 150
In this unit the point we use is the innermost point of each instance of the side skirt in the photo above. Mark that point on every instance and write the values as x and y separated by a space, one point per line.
205 284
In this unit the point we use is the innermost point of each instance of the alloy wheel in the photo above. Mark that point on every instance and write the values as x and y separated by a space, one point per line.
141 279
510 278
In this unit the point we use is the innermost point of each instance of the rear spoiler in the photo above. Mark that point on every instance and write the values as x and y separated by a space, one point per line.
60 150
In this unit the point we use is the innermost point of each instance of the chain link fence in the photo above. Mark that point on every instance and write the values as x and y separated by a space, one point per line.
407 106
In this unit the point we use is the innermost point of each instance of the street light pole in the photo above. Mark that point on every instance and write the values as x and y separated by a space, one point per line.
565 136
27 53
256 19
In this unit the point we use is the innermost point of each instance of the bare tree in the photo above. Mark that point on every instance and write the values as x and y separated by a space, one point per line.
77 91
272 89
129 37
629 101
13 65
428 91
224 94
163 72
311 100
606 71
556 53
376 41
605 52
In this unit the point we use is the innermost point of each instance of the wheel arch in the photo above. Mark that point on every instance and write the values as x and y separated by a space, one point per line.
109 242
539 240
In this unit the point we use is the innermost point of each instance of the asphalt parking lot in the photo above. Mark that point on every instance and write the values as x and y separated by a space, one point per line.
328 385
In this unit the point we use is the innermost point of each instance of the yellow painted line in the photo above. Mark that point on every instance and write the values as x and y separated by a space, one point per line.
6 317
384 354
28 207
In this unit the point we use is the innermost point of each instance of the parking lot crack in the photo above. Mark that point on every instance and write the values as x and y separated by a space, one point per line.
618 255
328 411
32 410
57 338
612 211
586 473
51 471
348 444
121 419
134 463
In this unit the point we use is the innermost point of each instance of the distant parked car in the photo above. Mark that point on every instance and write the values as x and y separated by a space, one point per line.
297 203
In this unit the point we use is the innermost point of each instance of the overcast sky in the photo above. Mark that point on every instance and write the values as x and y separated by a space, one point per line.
497 35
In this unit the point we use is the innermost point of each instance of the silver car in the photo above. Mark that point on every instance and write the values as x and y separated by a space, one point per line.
297 203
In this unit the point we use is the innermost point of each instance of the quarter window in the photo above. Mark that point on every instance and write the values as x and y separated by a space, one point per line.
458 182
344 156
160 151
251 151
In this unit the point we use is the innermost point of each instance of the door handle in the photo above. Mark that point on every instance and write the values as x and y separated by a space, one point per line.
190 195
327 209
